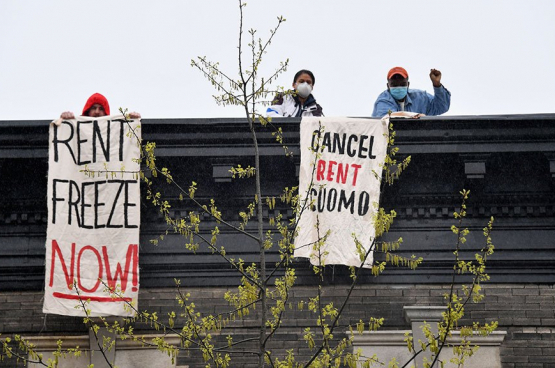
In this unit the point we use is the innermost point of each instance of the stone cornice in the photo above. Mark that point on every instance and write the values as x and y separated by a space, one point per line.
224 137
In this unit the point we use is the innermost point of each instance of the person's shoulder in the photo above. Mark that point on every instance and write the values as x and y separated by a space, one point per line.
384 97
418 94
280 97
417 91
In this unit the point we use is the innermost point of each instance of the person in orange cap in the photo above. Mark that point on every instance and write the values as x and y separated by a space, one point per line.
402 102
96 106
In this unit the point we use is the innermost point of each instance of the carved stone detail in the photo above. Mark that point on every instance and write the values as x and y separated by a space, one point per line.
220 169
475 165
551 157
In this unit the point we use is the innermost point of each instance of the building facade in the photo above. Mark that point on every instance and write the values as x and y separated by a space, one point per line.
507 162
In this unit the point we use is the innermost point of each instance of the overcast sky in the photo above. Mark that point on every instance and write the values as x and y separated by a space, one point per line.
497 57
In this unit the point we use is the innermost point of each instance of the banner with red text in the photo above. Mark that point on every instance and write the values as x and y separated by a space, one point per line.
340 178
92 240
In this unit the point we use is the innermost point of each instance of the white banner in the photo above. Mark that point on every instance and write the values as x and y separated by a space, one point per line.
343 190
92 240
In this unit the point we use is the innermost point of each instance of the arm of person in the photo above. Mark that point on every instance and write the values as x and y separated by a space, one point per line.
315 110
67 115
406 114
70 115
441 100
438 103
276 110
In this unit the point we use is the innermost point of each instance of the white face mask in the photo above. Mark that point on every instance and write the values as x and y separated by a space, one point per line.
304 89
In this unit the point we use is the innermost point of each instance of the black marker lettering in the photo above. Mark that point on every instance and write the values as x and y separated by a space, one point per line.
79 141
66 142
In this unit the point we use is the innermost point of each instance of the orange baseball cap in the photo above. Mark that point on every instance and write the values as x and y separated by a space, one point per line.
397 70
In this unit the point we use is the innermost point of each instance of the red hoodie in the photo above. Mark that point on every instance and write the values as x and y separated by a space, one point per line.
96 98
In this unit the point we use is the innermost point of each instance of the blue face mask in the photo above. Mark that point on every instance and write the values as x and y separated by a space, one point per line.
398 93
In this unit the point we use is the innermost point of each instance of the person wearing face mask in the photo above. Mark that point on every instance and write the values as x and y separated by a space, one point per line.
96 106
300 101
414 103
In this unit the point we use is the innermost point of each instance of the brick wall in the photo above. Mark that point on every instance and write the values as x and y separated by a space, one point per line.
525 311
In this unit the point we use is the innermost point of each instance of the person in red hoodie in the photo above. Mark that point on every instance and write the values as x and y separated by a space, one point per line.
96 106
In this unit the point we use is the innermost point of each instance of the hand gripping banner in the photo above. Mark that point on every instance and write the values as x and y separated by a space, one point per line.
92 240
340 175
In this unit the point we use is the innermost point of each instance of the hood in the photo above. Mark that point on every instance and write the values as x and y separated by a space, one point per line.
97 98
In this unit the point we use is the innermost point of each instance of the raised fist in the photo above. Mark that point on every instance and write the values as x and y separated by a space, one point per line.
435 76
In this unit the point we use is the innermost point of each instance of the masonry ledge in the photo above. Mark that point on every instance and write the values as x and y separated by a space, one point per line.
396 338
423 313
50 343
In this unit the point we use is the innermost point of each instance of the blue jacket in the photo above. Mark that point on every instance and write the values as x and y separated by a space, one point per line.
416 101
